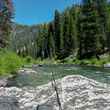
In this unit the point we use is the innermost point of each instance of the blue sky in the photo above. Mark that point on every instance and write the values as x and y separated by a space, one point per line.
38 11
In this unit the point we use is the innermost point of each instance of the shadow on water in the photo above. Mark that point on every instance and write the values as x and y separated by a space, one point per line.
43 74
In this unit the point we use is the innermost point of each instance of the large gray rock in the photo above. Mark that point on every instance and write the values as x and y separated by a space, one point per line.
8 103
3 82
75 92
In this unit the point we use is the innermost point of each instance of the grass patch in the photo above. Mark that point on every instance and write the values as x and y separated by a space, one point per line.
46 61
10 62
92 61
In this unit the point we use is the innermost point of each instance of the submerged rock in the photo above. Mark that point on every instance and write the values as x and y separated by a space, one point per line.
75 93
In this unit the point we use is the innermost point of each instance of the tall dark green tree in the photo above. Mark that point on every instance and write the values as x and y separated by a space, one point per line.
88 29
42 41
57 31
102 12
51 43
108 27
73 26
67 33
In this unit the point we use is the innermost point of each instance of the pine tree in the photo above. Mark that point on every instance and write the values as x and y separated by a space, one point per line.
57 32
102 12
88 29
66 33
51 43
108 27
6 13
73 27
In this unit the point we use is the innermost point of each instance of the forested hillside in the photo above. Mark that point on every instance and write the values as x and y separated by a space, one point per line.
82 29
57 38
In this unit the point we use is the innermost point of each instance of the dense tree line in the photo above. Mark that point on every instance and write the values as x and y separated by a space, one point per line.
83 29
92 28
6 14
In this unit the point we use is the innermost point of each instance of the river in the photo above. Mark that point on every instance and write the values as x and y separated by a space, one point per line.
43 74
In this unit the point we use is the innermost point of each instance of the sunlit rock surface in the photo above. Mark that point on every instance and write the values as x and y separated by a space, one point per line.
75 92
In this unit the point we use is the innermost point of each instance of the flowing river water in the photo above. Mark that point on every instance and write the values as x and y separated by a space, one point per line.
43 74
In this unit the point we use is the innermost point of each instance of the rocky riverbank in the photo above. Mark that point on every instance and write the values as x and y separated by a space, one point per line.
7 81
75 92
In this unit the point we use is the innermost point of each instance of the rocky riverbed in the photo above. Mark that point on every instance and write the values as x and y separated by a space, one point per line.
75 92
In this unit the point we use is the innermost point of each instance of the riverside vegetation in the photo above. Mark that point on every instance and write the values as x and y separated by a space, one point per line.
78 35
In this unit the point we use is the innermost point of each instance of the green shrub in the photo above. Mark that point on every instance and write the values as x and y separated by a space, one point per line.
76 61
28 59
10 62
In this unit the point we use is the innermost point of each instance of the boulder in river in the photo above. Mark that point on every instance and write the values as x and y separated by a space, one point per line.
107 65
75 93
26 71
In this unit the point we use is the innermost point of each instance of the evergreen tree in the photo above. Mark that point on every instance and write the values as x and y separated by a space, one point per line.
73 27
57 31
66 33
108 27
88 29
102 12
51 43
6 13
